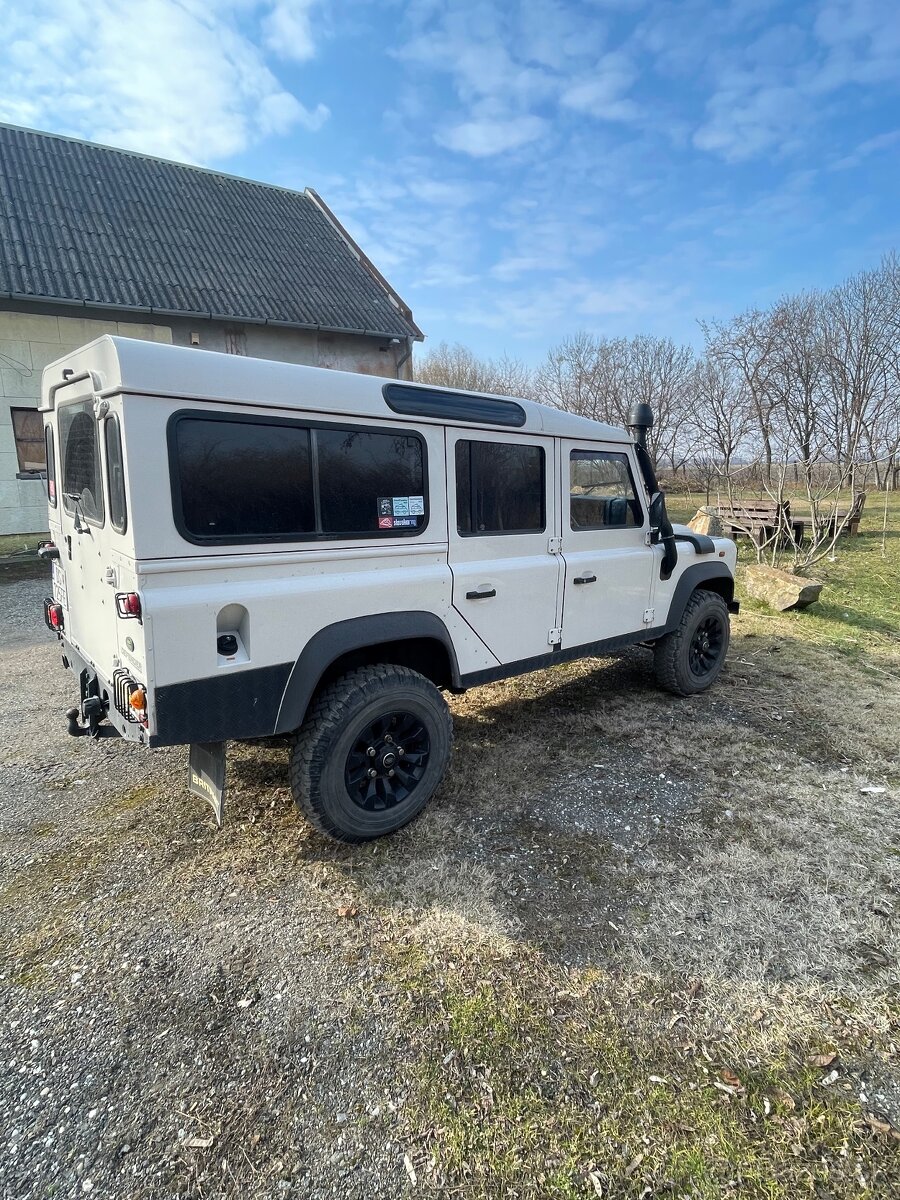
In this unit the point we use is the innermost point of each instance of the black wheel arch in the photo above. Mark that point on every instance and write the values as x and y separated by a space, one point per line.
713 576
419 640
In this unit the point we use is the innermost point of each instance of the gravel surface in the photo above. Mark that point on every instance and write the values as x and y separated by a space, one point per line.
184 1011
191 1012
198 1012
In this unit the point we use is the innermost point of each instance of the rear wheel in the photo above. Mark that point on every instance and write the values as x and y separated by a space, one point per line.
371 753
690 658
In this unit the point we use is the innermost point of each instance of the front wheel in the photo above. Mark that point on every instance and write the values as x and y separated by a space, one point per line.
690 658
371 753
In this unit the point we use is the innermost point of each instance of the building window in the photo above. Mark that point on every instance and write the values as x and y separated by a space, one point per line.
601 491
265 480
235 340
499 488
28 430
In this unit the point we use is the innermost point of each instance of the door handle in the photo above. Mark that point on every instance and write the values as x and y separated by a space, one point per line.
585 579
486 595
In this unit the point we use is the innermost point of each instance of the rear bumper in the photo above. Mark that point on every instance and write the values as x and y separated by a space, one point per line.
93 682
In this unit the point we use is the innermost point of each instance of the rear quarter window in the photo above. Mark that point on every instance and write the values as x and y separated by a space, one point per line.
256 480
242 480
115 474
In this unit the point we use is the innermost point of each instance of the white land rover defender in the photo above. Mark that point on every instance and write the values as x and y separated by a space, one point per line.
243 549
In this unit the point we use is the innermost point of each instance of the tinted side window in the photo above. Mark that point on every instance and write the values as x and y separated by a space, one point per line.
115 475
80 452
370 481
601 491
499 488
51 465
244 480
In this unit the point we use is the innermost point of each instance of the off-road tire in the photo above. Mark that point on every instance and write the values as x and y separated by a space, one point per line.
672 654
342 712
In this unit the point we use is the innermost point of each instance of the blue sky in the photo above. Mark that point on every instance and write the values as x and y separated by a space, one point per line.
519 171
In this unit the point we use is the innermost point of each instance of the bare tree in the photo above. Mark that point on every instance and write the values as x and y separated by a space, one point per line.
601 378
457 366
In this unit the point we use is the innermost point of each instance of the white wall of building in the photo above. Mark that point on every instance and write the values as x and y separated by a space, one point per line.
28 341
31 339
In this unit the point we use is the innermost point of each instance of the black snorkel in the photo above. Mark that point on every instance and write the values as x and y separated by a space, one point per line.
640 420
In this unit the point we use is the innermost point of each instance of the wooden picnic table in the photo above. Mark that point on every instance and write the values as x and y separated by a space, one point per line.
761 520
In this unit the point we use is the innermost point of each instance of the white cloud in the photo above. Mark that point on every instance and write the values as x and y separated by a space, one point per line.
484 137
288 31
601 93
872 145
177 78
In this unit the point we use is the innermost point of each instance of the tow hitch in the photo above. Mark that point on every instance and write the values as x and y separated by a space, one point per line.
87 718
92 711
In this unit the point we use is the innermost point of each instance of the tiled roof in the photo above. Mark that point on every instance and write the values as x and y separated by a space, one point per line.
87 224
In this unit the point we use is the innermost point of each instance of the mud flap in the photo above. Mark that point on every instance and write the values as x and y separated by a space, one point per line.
206 775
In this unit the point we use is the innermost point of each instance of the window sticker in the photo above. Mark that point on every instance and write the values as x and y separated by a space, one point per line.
385 522
385 506
401 506
405 522
417 506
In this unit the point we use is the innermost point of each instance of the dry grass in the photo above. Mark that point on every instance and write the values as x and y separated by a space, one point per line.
618 902
705 891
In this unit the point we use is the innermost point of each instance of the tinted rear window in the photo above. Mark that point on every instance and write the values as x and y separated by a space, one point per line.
244 480
79 444
370 481
499 488
51 465
115 474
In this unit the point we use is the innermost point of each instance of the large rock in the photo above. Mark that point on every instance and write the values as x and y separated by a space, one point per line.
780 589
707 521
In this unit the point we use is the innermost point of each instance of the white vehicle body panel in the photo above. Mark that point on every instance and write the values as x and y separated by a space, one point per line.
277 597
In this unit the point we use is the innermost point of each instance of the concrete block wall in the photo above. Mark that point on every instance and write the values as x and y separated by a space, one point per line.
28 342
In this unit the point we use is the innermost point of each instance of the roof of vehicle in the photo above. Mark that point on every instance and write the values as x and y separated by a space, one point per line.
154 369
86 224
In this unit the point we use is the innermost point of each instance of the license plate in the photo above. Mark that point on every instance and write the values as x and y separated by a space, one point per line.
58 579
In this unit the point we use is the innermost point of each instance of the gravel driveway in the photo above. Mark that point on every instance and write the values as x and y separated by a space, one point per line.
198 1012
184 1012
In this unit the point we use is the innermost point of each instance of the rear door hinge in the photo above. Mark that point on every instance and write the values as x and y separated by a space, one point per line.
554 637
649 616
554 545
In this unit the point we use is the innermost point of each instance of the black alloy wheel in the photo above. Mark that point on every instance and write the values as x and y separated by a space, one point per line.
690 658
706 645
387 761
372 751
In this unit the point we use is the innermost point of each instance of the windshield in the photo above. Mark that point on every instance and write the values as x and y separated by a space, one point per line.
80 455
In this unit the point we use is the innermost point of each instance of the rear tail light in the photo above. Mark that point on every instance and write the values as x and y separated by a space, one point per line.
53 616
128 604
129 697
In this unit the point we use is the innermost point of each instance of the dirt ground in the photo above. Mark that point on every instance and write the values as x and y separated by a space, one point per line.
612 958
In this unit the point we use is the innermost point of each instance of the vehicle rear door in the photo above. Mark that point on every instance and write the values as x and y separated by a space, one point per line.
84 571
608 561
503 519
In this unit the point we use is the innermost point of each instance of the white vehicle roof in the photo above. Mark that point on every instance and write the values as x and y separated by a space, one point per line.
151 368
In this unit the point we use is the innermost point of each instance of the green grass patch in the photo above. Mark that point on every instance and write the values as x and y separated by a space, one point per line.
20 543
531 1081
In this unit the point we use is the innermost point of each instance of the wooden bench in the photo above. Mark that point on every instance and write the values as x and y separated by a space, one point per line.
847 521
760 520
